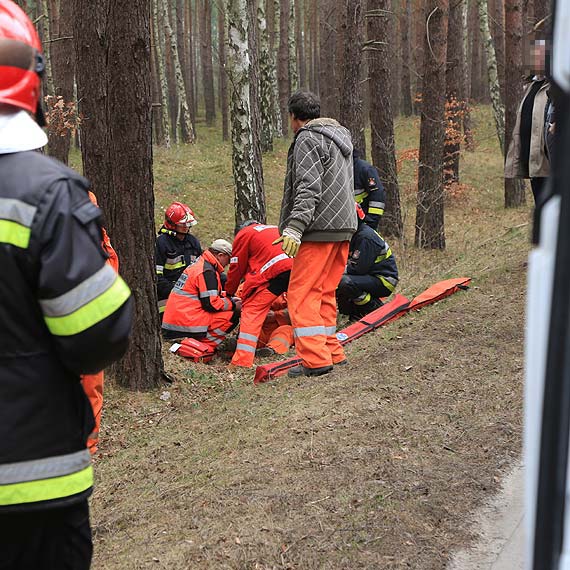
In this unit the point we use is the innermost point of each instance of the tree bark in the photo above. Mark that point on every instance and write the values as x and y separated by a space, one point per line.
191 75
380 55
351 114
466 74
267 77
498 108
163 114
223 99
293 73
45 35
112 47
430 230
514 188
497 25
249 196
206 58
183 55
406 86
283 80
301 34
328 61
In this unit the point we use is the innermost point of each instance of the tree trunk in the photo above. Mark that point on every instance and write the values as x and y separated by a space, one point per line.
164 122
498 109
112 46
187 131
514 188
497 25
191 75
206 58
249 196
293 74
396 72
466 74
314 77
380 56
223 72
351 114
430 231
267 75
45 35
328 61
283 80
406 87
181 28
300 41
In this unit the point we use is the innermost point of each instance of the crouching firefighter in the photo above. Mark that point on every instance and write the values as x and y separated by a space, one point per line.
371 272
63 312
197 306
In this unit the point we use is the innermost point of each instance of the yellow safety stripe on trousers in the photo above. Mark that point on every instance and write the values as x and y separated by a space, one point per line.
14 234
387 284
46 489
364 300
377 211
91 313
383 257
173 266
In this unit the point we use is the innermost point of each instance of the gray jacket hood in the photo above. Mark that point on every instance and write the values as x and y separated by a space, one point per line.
333 130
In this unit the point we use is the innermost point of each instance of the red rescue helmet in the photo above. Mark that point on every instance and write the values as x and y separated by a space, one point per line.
179 218
21 59
359 211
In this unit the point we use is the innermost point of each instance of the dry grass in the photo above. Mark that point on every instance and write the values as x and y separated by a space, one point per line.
377 465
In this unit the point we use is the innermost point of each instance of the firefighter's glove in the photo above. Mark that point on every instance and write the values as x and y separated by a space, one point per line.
291 239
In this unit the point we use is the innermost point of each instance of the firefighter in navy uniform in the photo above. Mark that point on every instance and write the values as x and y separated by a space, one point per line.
176 249
371 272
368 190
63 312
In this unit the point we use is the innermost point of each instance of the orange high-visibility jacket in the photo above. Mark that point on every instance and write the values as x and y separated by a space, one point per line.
255 258
196 297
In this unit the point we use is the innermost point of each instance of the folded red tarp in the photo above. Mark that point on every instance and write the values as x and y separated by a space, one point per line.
389 312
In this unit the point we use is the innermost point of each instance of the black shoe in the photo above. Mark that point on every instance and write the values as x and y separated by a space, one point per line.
265 351
301 370
341 363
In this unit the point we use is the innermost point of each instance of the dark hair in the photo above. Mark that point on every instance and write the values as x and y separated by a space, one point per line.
243 225
304 105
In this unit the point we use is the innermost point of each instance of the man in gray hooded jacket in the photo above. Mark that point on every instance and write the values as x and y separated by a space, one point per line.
318 218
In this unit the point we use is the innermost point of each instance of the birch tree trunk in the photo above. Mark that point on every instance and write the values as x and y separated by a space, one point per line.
249 196
223 72
300 41
380 55
164 119
206 58
187 131
350 113
514 188
267 73
494 88
45 34
430 229
283 79
293 75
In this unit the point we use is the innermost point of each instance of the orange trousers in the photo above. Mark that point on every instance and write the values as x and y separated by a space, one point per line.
278 337
315 275
253 313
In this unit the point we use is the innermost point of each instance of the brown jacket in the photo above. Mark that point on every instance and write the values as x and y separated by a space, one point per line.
538 164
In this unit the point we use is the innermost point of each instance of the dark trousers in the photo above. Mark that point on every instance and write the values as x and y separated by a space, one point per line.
351 287
537 186
54 539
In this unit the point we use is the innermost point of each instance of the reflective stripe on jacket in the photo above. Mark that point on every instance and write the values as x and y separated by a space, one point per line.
369 192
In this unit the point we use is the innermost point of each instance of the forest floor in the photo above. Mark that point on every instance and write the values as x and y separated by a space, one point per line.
378 465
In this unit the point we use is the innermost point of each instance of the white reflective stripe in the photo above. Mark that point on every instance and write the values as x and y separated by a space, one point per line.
162 303
376 204
214 339
209 293
234 260
309 331
261 228
160 269
247 336
330 330
17 211
227 304
46 468
220 332
173 260
273 261
178 328
79 296
245 347
182 293
391 280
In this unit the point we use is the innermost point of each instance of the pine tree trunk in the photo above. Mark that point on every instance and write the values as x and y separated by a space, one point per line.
498 109
396 72
418 53
430 230
328 61
406 87
300 39
45 35
314 25
380 55
274 33
350 113
466 74
187 131
267 73
112 47
183 55
223 72
283 80
249 196
164 122
514 188
206 58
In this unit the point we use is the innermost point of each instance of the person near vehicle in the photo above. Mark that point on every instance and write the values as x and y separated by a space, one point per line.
63 312
265 270
176 249
368 190
197 307
371 272
528 153
316 223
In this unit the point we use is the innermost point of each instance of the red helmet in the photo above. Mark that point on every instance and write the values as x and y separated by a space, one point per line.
179 218
21 59
359 211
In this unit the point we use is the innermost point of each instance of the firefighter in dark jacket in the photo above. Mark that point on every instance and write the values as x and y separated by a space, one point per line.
63 312
368 190
176 249
371 272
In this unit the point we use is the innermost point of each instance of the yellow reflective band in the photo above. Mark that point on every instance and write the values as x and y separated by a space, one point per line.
91 313
383 257
387 284
359 198
46 489
366 299
14 234
161 309
377 211
172 266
